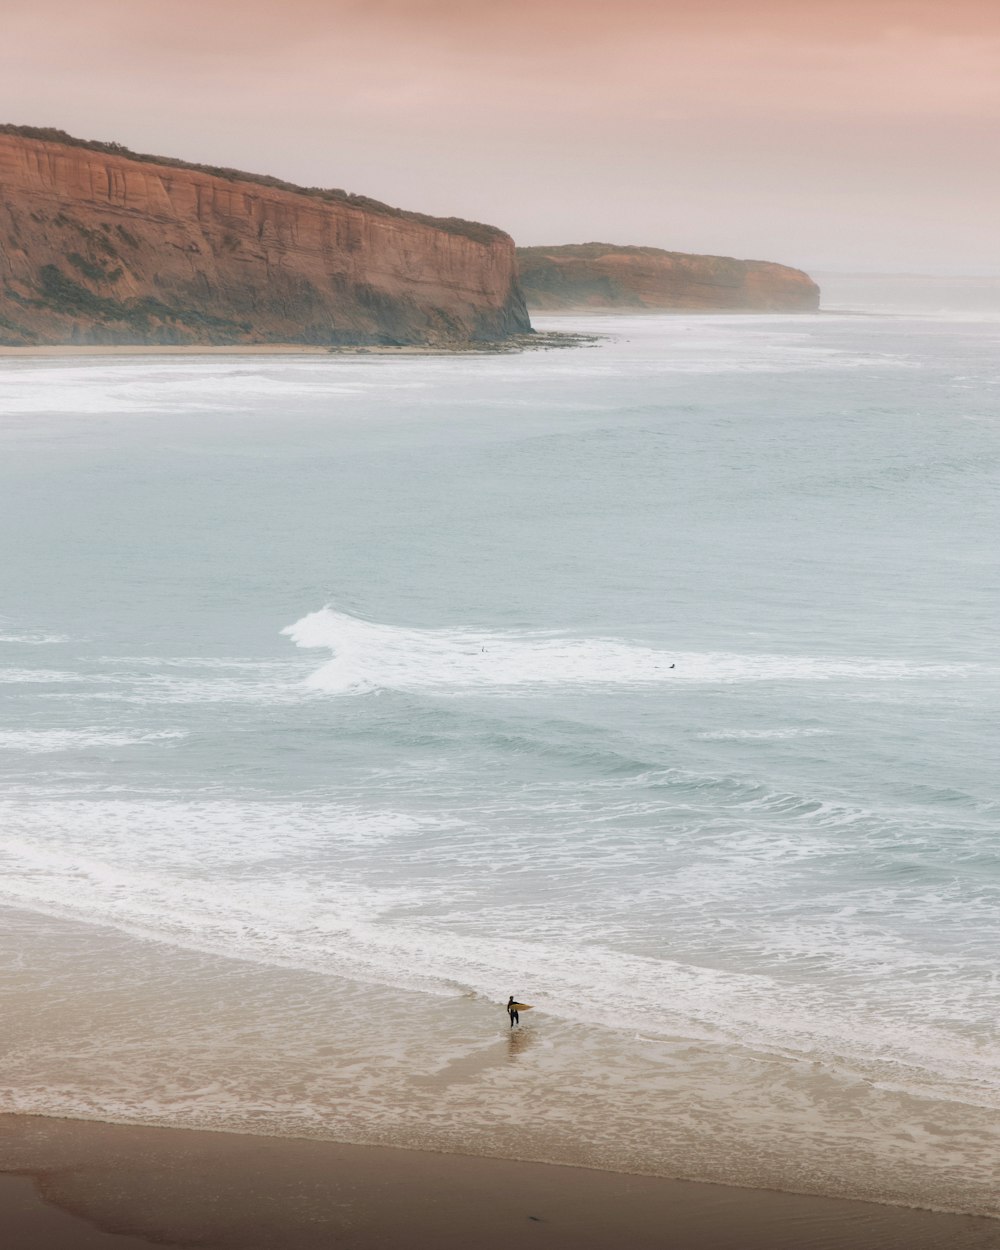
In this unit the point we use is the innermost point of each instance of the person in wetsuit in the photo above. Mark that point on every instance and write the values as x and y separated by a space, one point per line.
512 1011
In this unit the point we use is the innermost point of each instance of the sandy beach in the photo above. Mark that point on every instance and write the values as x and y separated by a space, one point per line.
74 1185
231 349
536 341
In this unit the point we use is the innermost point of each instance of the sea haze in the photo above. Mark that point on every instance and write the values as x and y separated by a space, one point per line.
653 681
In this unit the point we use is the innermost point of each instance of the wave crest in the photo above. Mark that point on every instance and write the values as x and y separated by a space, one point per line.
370 656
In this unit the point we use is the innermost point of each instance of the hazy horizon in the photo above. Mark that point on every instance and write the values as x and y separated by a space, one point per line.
847 137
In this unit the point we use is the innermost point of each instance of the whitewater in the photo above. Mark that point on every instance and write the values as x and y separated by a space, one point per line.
652 680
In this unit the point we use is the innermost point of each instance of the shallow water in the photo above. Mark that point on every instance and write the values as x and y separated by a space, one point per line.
653 681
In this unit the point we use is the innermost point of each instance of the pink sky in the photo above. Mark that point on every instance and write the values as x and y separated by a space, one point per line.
823 133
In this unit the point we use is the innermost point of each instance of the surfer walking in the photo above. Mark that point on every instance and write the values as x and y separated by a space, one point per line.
512 1010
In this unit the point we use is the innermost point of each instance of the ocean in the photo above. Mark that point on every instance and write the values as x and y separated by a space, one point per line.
652 680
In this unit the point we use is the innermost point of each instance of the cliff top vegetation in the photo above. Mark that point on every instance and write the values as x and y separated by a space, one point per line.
475 230
594 251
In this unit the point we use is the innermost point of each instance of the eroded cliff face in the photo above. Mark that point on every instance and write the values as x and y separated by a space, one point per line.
100 246
594 276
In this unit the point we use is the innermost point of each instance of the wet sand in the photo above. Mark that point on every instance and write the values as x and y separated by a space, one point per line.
76 1185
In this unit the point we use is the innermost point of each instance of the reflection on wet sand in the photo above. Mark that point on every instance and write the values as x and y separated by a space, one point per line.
518 1041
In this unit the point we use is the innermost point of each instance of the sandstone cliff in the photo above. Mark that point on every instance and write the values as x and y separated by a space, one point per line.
99 245
593 276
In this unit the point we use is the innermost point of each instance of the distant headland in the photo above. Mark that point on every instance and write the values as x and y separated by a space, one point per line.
594 277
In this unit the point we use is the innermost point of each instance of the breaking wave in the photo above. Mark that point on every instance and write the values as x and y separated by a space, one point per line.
371 656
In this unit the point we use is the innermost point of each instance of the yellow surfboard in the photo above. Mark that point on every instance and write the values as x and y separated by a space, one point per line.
519 1007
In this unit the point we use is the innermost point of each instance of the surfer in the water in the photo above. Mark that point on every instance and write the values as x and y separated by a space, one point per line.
512 1011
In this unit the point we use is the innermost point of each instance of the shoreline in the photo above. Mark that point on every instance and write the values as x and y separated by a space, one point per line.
542 340
249 1048
90 1185
749 313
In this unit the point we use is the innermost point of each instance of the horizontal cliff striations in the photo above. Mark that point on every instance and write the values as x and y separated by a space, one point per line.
593 276
101 246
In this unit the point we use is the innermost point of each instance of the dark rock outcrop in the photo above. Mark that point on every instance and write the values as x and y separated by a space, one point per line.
99 245
595 276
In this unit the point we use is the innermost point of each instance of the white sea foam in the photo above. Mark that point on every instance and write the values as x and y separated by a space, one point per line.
760 735
51 741
36 676
204 876
140 680
32 640
370 656
221 663
185 384
182 690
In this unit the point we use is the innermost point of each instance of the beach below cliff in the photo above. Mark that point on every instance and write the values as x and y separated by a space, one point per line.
535 341
77 1185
